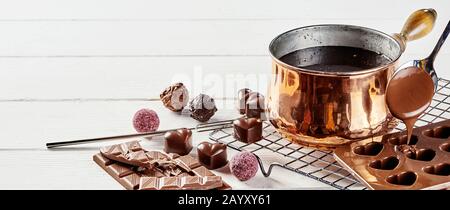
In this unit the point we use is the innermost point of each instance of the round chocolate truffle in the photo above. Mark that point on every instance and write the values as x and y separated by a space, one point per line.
244 165
175 97
202 108
145 120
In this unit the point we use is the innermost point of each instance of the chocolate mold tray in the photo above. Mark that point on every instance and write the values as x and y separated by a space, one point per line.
321 165
387 162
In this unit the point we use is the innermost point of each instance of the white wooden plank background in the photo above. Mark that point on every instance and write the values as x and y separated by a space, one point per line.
81 68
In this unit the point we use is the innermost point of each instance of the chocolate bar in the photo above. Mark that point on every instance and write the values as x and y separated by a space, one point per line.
130 153
168 171
388 162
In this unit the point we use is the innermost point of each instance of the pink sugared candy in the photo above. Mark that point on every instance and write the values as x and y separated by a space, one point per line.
145 120
244 165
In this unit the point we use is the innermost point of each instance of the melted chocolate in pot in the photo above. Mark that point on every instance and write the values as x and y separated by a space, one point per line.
408 95
335 59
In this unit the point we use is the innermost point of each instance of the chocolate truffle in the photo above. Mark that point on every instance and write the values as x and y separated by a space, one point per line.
248 130
254 107
175 97
145 120
242 99
212 155
202 108
179 141
244 165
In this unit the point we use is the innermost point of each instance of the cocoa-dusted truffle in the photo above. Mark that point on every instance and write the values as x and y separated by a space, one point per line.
254 107
175 97
202 108
242 99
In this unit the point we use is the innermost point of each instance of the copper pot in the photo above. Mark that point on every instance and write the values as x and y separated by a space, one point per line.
326 109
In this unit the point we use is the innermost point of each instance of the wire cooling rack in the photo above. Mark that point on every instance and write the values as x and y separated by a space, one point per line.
320 165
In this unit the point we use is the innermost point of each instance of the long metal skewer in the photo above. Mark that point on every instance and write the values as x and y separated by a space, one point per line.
199 128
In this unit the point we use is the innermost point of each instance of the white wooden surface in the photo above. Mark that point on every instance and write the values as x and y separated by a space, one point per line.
81 68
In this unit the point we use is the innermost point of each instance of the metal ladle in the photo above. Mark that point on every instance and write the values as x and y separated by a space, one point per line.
426 64
415 98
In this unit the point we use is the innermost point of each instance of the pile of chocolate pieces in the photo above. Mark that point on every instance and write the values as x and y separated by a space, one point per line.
138 169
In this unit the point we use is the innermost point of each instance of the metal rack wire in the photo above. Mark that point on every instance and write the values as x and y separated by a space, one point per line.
320 165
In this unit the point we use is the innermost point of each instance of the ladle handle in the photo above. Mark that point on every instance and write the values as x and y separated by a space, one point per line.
439 44
418 25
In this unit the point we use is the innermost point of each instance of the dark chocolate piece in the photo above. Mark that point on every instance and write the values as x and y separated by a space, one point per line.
242 99
179 141
175 97
248 130
389 163
255 106
202 108
212 155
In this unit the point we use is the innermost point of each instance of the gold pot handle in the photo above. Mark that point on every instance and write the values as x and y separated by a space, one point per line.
418 25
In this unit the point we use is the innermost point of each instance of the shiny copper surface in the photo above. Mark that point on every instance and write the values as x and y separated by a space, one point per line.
327 111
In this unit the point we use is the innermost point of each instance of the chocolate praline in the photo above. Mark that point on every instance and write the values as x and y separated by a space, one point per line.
242 99
178 141
202 108
175 97
248 130
255 106
212 155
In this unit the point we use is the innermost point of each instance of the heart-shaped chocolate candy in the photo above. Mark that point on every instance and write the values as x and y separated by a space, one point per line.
242 99
212 155
255 106
248 130
178 141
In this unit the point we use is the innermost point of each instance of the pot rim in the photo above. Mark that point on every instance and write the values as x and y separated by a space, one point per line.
337 74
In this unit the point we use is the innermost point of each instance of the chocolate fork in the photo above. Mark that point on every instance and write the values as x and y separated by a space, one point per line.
199 128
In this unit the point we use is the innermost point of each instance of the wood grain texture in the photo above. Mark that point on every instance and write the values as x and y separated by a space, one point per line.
169 38
206 9
140 78
81 68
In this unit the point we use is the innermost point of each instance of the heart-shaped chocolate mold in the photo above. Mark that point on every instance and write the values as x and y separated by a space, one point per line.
369 149
178 141
248 130
212 155
445 147
387 163
442 169
419 154
442 132
407 178
403 139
